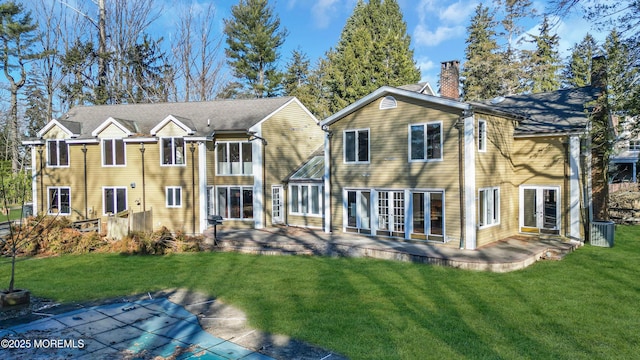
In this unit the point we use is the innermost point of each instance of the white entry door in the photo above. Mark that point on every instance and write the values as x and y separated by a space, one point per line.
277 202
540 209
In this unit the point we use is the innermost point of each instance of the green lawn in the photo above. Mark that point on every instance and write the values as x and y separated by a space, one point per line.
586 306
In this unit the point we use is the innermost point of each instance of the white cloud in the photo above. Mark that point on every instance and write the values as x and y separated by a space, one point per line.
424 36
450 19
324 11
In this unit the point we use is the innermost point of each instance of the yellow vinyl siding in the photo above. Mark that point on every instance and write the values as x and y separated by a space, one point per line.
55 133
495 168
292 135
389 166
170 129
111 132
304 221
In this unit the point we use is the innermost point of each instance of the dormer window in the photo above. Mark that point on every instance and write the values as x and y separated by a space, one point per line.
388 102
172 151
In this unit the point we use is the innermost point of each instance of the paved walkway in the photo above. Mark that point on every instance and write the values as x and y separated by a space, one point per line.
509 254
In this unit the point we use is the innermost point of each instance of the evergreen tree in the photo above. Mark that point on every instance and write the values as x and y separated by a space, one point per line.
35 113
545 60
76 66
622 76
480 74
297 79
373 50
513 64
577 72
254 38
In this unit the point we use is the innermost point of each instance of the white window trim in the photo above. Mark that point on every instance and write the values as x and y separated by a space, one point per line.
309 213
49 200
166 192
228 191
57 141
359 218
184 152
114 154
482 136
428 211
388 102
226 143
344 143
126 198
634 145
482 207
426 159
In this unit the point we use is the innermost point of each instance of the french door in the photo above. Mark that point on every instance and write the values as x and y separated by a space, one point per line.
540 209
276 202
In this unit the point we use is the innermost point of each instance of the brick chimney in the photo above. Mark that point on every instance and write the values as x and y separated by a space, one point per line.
450 79
599 72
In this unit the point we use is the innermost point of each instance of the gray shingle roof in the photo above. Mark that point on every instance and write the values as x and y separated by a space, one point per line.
223 115
562 111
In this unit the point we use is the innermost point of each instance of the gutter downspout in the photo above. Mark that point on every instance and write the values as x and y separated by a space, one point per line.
86 206
192 148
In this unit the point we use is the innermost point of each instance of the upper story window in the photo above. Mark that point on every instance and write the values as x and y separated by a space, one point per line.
57 153
172 151
634 145
356 146
234 158
482 135
113 152
388 102
425 142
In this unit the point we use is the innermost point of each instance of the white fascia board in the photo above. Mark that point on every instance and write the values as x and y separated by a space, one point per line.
173 119
385 90
108 122
51 124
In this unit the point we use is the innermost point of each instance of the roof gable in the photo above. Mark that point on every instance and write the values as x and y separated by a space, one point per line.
124 127
172 119
55 123
388 90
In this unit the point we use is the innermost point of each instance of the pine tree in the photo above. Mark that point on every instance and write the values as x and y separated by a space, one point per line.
545 60
577 72
373 50
513 65
254 38
622 74
480 74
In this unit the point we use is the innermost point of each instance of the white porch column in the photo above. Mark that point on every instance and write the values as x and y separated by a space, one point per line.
327 182
34 180
574 187
470 183
202 185
259 197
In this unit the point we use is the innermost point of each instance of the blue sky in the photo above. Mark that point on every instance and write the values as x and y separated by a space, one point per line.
437 27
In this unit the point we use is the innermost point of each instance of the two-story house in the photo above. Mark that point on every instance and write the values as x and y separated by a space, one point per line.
409 165
182 160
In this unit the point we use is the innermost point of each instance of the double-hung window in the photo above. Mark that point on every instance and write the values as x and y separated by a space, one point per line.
113 152
356 146
59 201
482 135
489 206
172 151
114 199
57 153
173 196
634 145
235 202
305 199
425 141
234 158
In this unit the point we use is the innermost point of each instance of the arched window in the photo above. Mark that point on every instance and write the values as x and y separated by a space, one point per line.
388 102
